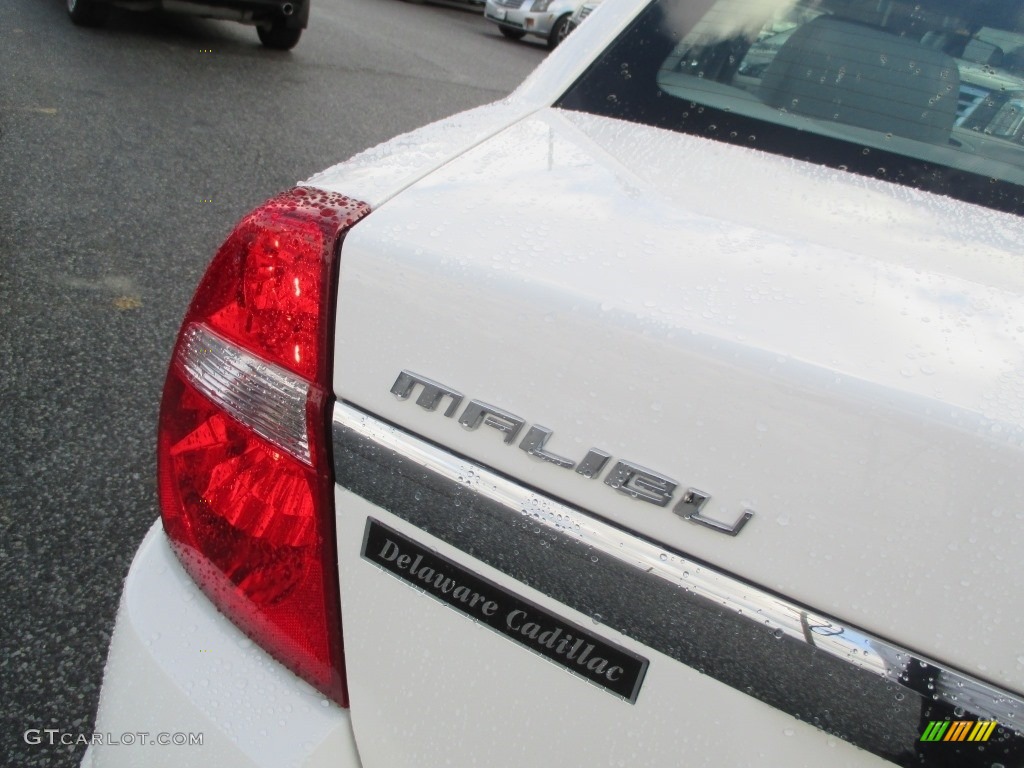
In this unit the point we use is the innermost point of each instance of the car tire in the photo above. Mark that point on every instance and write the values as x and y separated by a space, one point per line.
559 32
87 13
277 36
512 34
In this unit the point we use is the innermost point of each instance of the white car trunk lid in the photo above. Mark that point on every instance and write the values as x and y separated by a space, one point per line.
840 356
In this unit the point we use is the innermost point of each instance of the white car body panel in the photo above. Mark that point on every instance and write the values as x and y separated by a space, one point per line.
379 173
431 687
890 431
177 665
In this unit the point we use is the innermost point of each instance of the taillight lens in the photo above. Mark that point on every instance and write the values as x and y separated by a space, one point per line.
243 461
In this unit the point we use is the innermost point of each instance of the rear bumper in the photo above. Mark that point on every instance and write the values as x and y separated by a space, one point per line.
179 672
246 11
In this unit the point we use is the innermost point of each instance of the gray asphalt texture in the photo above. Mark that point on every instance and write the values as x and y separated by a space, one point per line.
126 155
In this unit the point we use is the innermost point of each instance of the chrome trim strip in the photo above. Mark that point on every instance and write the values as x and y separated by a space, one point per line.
852 684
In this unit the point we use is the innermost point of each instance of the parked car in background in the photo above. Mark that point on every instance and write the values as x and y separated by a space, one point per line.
279 23
547 19
670 411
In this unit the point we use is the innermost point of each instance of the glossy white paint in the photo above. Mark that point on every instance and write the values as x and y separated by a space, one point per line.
430 687
379 173
176 665
839 354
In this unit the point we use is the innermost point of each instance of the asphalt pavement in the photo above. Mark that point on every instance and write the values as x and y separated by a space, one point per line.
126 155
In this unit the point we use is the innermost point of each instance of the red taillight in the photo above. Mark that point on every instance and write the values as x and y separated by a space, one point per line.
243 461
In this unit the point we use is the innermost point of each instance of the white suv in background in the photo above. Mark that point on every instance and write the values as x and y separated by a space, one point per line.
548 19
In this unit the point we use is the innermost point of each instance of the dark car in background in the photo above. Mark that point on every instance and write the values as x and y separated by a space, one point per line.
279 23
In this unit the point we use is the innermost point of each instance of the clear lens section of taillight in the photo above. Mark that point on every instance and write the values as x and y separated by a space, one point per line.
270 400
243 460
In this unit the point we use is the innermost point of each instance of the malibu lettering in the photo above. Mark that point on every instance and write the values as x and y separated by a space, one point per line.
625 477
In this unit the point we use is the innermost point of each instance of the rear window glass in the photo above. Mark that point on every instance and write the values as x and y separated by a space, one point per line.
926 94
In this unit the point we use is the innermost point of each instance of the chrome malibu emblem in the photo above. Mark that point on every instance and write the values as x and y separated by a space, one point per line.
624 476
